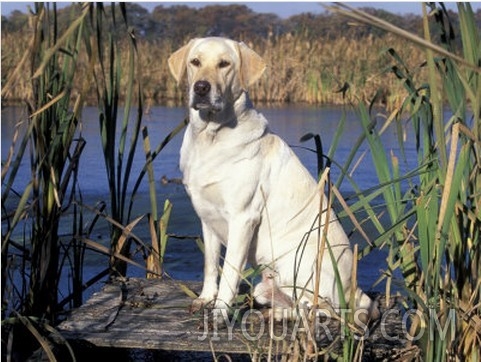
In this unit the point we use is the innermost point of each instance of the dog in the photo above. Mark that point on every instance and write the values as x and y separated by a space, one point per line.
251 192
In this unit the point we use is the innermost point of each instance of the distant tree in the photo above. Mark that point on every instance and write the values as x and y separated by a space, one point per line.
234 21
179 23
16 21
176 23
142 21
387 16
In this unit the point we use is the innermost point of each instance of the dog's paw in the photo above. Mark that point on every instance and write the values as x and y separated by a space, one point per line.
367 309
198 304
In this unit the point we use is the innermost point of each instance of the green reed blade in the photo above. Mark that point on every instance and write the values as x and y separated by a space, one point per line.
150 173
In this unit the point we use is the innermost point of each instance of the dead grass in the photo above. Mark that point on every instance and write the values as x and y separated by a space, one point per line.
300 70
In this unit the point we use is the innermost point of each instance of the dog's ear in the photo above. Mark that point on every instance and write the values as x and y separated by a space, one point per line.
252 65
177 61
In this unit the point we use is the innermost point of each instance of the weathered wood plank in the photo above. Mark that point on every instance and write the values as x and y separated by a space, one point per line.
147 314
153 314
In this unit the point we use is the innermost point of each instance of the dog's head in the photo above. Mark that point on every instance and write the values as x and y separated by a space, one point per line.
218 71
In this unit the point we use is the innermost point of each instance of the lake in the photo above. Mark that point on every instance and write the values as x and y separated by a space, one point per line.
184 259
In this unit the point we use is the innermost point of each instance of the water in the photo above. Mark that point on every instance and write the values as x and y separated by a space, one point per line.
184 259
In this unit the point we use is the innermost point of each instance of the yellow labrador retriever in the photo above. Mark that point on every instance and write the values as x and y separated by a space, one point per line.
250 191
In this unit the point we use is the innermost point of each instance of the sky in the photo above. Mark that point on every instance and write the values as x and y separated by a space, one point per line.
282 9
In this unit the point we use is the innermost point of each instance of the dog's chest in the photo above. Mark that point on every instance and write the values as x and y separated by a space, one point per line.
207 172
207 186
218 176
212 158
205 166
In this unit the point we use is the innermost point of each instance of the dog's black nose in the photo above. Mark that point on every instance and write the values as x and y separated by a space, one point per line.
201 87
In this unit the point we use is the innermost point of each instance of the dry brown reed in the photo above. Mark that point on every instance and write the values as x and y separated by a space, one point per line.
301 69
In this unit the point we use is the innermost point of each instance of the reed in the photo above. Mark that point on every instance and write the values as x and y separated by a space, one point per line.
54 159
56 72
434 209
55 149
301 69
104 51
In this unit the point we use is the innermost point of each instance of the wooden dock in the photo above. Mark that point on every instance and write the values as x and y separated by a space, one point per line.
146 314
152 314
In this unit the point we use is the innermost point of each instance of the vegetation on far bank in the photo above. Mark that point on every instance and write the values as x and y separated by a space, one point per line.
315 59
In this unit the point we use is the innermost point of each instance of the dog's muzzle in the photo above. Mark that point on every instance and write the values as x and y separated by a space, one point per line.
202 97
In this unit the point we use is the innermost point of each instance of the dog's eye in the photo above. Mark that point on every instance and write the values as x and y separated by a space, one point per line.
195 62
224 64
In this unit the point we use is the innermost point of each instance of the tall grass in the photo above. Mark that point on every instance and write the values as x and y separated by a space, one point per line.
45 227
303 69
55 152
104 51
54 114
435 208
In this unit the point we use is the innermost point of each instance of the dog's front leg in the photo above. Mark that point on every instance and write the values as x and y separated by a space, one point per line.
241 230
211 269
